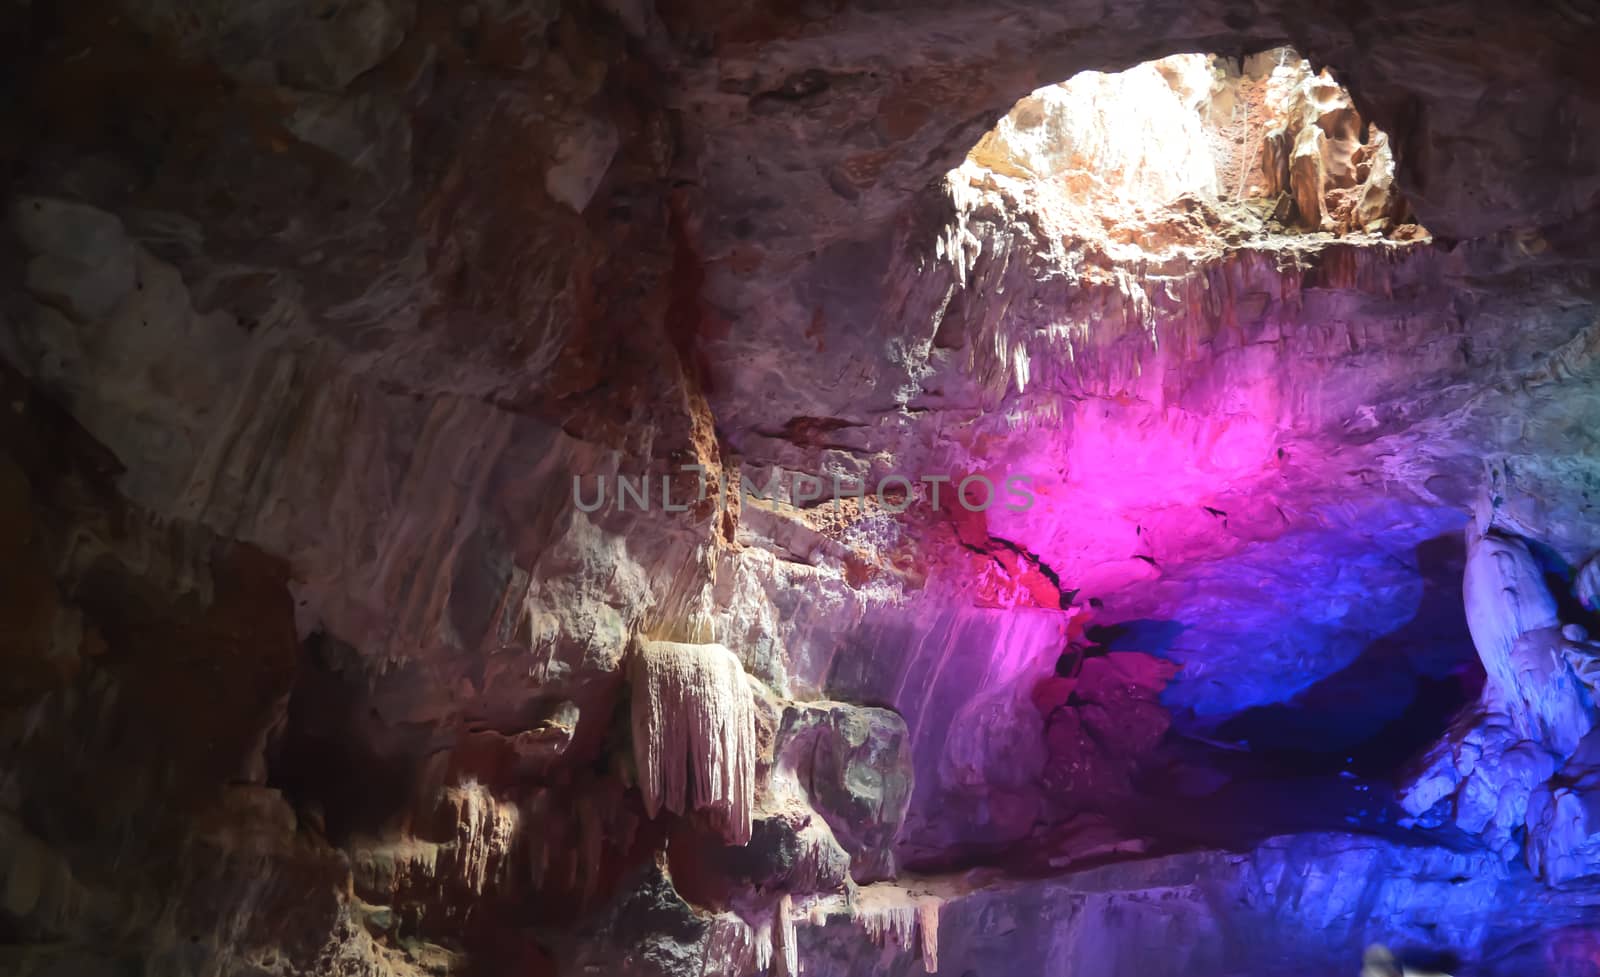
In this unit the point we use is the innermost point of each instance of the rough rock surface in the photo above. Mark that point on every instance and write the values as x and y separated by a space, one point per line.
313 316
855 766
1213 914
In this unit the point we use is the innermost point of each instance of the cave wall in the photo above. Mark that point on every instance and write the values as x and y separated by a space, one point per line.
311 317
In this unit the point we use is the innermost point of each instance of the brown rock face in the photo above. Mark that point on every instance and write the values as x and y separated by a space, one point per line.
1073 507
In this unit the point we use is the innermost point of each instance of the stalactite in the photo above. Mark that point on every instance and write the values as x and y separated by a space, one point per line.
895 915
485 830
928 924
889 922
693 708
763 945
786 952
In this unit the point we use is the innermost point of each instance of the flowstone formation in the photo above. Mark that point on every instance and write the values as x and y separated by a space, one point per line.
694 735
313 318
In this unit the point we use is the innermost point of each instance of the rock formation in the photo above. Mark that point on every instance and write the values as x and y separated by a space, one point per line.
1512 768
1514 625
694 735
1587 587
1066 502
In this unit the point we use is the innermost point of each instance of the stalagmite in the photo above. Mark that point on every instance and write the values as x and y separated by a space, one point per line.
1505 598
1587 587
1534 714
693 708
1518 635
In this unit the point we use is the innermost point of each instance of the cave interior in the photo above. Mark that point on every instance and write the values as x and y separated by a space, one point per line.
695 488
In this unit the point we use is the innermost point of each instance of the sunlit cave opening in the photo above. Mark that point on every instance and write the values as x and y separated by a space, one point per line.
1193 148
669 490
1156 273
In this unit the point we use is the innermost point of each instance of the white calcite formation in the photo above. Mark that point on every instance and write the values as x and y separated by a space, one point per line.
694 737
1564 824
892 916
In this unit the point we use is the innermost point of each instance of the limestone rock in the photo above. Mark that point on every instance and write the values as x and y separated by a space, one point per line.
787 853
997 741
1505 599
1302 913
582 157
82 259
1587 585
367 133
284 41
1104 727
647 929
855 766
552 737
317 322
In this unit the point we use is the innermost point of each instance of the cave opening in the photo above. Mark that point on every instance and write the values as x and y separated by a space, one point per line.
1171 152
1147 271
